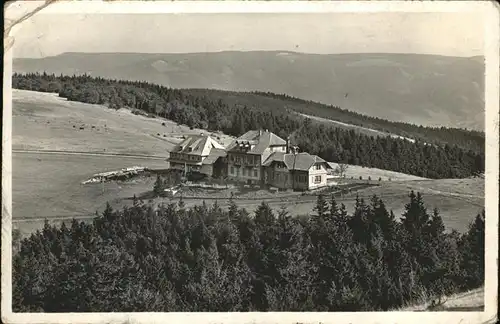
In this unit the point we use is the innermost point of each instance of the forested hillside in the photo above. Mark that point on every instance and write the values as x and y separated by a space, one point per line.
209 259
430 90
438 153
470 139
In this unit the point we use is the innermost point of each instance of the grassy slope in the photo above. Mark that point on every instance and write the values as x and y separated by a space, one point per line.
359 129
45 185
356 171
45 121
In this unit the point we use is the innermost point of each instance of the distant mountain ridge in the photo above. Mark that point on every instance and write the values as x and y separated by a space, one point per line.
429 90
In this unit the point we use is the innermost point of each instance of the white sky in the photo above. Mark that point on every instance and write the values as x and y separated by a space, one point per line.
454 34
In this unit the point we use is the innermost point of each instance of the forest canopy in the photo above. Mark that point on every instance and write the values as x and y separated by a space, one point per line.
206 258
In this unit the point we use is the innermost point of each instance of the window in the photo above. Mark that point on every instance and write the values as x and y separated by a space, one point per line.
317 166
232 170
244 172
317 179
255 173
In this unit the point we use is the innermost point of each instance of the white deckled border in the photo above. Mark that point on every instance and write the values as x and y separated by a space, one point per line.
492 95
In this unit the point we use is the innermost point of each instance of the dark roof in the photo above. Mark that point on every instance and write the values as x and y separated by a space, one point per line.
198 145
214 155
301 161
260 140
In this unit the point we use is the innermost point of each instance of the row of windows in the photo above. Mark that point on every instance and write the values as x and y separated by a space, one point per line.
185 157
303 179
300 178
245 172
278 149
187 167
248 159
279 176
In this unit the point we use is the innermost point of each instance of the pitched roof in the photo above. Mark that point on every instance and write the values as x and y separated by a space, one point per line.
301 161
198 145
260 140
214 155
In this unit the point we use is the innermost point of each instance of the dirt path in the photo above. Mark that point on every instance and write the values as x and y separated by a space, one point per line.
369 130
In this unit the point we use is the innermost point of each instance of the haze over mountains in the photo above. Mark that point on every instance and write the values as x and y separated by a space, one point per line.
421 89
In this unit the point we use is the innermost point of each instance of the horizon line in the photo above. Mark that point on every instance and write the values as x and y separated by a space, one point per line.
246 51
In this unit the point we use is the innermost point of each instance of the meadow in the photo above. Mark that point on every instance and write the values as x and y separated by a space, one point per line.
49 185
44 121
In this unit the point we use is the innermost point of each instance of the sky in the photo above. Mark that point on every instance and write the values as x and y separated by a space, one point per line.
451 34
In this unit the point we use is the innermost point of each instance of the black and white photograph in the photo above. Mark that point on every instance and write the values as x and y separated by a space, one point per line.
250 157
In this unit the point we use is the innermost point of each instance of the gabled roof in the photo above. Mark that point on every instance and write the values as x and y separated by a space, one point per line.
214 155
260 140
301 161
198 145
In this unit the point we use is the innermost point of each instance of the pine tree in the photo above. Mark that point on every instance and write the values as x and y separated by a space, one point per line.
158 186
473 246
415 216
321 207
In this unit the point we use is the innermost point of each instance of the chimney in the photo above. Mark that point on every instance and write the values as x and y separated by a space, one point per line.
288 144
260 132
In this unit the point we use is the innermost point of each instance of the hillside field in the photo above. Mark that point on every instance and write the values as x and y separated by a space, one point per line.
48 184
43 121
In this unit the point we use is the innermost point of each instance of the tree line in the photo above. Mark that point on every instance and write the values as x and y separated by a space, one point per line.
206 258
236 113
464 138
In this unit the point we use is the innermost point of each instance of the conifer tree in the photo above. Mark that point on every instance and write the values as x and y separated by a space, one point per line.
321 207
158 186
473 245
